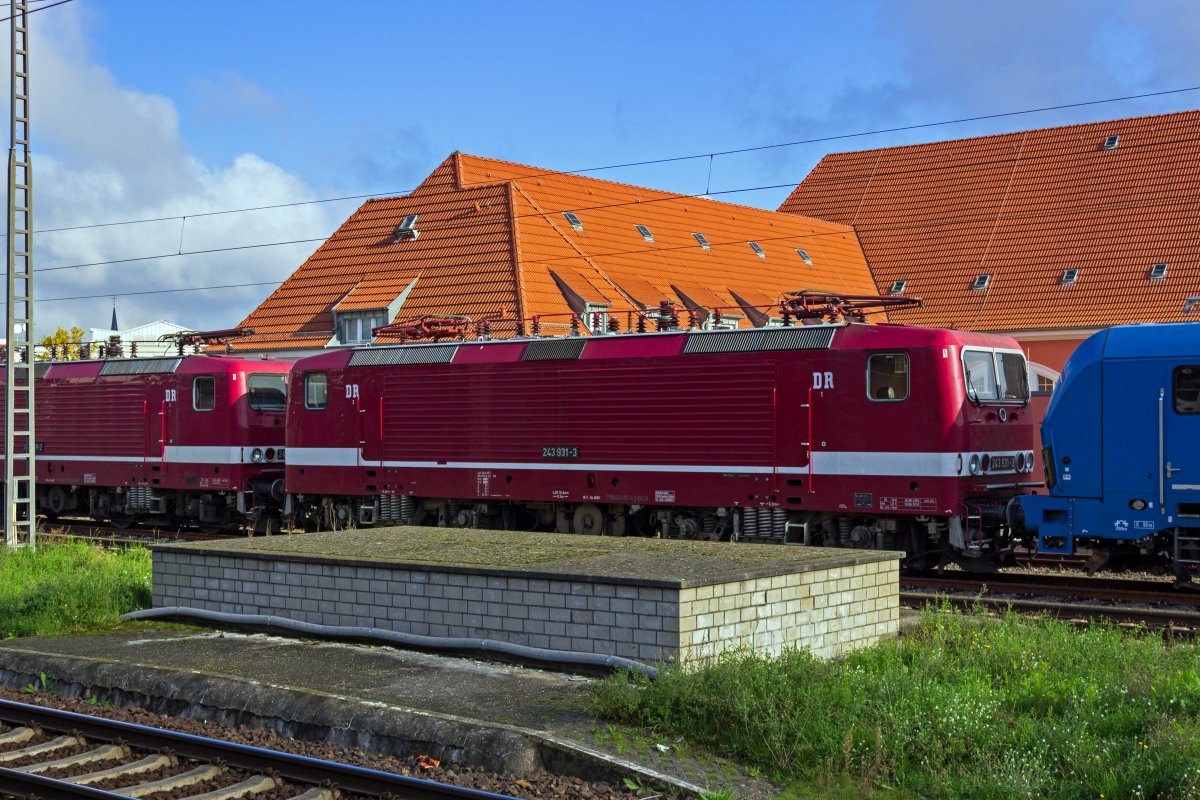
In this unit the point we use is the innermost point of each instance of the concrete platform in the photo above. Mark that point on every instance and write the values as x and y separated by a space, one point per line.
636 598
503 718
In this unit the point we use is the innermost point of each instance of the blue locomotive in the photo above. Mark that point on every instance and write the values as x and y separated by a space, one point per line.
1121 443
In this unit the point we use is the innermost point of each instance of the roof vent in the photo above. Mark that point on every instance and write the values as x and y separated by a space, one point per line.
804 255
1110 143
704 245
576 225
898 287
407 229
757 248
1192 304
645 232
981 282
1158 272
1069 277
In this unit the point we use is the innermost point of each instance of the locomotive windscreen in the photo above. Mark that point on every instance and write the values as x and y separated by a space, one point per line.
268 391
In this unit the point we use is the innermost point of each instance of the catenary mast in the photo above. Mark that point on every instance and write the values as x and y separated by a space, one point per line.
19 448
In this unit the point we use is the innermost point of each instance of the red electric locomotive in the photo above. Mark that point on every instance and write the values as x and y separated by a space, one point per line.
848 435
193 440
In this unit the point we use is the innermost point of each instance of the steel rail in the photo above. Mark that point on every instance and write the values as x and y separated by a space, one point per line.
1180 622
1122 590
300 769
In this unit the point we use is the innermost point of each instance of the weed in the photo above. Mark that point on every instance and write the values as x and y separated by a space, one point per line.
965 707
57 588
42 684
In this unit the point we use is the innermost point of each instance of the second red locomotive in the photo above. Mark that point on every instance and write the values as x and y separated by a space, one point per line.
848 435
195 440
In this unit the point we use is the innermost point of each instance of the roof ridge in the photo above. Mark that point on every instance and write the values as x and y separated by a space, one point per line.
660 193
1119 120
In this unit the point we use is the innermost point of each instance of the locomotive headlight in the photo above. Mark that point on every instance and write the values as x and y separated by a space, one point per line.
270 454
1020 462
986 464
974 464
1029 461
256 455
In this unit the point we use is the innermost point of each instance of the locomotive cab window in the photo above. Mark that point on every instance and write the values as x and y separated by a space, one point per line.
887 376
268 392
204 393
1187 389
995 376
316 391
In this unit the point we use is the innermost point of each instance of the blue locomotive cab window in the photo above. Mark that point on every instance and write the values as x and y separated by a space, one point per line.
268 392
316 391
204 393
887 377
1187 389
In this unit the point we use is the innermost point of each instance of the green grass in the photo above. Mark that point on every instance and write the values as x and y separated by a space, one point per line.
965 707
60 588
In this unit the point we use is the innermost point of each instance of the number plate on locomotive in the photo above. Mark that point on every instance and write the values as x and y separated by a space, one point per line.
1003 462
560 451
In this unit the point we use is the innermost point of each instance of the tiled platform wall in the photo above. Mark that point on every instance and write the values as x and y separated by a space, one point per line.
828 610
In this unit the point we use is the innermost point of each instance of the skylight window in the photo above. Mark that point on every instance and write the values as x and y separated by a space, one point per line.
757 248
804 255
576 225
1110 143
1069 277
981 282
407 229
1158 272
1192 304
898 287
704 245
645 232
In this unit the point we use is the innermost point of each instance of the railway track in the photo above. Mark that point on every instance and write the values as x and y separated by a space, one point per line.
50 754
1158 605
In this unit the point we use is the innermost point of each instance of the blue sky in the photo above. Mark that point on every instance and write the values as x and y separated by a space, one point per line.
147 109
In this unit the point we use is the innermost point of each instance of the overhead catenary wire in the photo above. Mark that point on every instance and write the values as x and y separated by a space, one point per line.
664 160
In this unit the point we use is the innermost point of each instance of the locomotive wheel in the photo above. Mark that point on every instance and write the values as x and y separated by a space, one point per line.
56 501
588 518
267 525
121 521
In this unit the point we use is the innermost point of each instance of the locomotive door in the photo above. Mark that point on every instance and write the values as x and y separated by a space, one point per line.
1181 432
1133 394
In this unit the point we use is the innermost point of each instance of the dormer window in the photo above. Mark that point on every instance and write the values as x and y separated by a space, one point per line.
757 248
704 245
576 225
1158 272
898 287
645 232
1069 277
1111 142
981 282
800 251
407 229
355 327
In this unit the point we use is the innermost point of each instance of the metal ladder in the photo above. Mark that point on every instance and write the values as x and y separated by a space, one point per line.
20 519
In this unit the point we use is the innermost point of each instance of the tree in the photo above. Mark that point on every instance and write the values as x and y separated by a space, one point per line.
65 342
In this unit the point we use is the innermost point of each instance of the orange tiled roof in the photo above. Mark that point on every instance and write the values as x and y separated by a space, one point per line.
1024 208
493 241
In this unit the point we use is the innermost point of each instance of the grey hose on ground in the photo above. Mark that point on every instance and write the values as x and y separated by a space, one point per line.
382 636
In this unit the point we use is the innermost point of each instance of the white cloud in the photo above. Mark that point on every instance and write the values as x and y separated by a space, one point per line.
107 153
